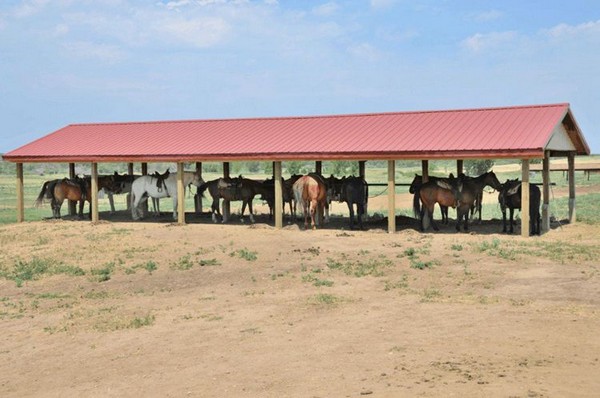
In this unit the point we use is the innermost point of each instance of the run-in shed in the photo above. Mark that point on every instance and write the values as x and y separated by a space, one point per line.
519 132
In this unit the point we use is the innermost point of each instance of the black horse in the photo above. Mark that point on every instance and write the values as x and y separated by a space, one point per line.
353 191
510 197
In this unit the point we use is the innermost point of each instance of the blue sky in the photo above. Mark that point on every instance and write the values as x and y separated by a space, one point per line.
72 61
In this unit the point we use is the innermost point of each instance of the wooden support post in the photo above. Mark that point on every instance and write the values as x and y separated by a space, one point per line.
128 196
130 169
546 193
180 194
571 175
425 170
226 205
525 216
361 169
278 195
197 196
20 194
391 196
319 167
72 203
459 167
145 202
94 189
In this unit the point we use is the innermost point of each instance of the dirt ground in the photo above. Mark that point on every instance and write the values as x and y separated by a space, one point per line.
211 310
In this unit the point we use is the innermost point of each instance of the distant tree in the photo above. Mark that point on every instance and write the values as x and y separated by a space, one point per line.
478 166
294 167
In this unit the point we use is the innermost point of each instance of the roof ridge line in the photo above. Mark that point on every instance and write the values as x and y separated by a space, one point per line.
344 115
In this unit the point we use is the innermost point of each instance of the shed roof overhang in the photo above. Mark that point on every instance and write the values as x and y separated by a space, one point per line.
509 132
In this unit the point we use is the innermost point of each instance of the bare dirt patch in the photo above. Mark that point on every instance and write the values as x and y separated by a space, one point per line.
250 311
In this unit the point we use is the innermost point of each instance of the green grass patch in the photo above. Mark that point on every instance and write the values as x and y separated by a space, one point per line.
103 273
36 268
245 254
360 267
495 248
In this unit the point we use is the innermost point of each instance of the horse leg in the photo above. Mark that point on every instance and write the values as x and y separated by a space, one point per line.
90 214
314 213
459 216
175 209
214 210
81 204
305 210
511 220
504 220
111 200
351 211
224 215
55 208
251 211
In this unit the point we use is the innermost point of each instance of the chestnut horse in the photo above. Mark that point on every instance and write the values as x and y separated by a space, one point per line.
76 189
311 192
460 193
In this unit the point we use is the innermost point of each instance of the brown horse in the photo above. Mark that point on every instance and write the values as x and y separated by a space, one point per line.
75 189
461 193
311 192
414 188
232 189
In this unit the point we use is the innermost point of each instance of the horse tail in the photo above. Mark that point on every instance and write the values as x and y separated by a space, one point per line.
201 189
47 192
417 203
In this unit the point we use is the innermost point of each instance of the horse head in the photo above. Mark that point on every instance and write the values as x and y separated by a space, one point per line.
492 181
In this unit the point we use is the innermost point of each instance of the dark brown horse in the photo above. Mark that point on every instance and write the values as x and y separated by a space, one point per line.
287 195
311 192
353 191
75 189
233 189
510 197
414 188
461 193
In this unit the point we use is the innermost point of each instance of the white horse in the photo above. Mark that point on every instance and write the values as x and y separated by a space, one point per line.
146 186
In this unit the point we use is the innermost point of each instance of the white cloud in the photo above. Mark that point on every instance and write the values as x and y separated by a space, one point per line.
101 52
382 3
199 32
486 16
365 51
566 30
61 30
29 8
326 9
480 41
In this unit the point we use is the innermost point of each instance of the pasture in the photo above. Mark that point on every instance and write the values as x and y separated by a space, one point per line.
123 308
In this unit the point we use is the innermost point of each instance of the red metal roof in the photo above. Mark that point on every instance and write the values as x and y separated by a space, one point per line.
522 131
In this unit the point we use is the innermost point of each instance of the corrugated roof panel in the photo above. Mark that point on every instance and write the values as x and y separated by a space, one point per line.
489 132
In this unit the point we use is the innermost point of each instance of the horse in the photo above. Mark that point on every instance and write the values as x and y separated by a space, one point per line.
479 185
460 193
352 190
415 185
151 186
311 192
75 189
288 195
510 197
123 186
233 189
